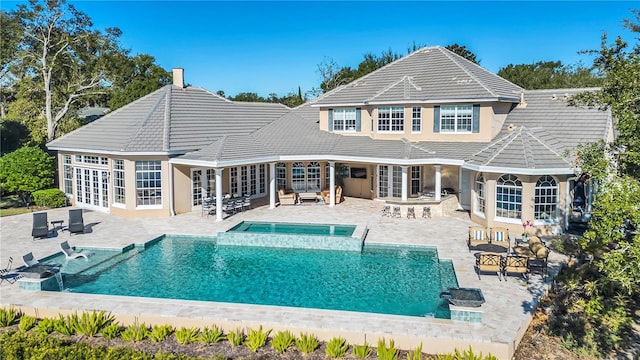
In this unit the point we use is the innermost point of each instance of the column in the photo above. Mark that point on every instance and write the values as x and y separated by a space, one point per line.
404 182
438 188
272 185
332 183
219 196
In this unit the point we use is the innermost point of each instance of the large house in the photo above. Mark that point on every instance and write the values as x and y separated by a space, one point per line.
430 129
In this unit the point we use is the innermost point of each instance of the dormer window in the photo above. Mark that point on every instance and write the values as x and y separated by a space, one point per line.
347 119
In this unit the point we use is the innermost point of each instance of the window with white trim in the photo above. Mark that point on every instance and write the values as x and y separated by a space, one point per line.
298 177
119 196
456 118
546 199
509 197
148 182
281 175
67 174
391 119
233 180
480 194
416 119
416 176
344 119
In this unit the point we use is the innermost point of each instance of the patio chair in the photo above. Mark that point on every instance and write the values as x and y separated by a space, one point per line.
538 264
246 202
7 275
489 262
426 212
29 260
477 237
208 206
411 212
396 212
500 237
40 225
76 222
386 210
71 253
516 264
286 198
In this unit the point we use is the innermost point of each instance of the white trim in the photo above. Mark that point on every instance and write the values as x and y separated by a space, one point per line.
148 207
520 171
431 101
118 205
119 153
508 220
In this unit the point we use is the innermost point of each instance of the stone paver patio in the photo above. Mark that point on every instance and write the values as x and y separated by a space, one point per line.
506 313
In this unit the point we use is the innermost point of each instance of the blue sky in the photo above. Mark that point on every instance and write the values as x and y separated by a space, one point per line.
268 47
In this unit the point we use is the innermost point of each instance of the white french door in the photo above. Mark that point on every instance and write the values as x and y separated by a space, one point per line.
92 188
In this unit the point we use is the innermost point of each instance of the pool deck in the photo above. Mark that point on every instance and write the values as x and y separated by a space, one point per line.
505 315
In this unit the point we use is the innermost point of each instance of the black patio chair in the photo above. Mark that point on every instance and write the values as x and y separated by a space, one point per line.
76 222
40 225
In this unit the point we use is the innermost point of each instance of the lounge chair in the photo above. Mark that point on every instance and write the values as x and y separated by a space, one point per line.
7 275
287 198
326 195
489 262
71 253
500 237
516 264
76 223
40 225
477 237
29 260
411 212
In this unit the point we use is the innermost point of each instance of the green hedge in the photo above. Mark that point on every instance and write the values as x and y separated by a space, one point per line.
51 198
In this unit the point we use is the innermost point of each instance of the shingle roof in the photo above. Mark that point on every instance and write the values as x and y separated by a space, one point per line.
428 74
171 119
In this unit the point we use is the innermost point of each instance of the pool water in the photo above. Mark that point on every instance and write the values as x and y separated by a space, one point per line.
292 228
380 279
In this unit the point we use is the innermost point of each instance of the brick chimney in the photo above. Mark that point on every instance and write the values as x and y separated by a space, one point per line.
178 77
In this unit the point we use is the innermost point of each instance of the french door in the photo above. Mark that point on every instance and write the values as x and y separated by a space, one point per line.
92 188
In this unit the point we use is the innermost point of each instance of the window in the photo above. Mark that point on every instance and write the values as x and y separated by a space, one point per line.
344 120
91 159
456 118
118 182
508 197
383 180
68 174
396 181
416 119
358 173
313 176
415 180
546 199
281 175
327 175
233 180
148 182
480 194
391 119
298 177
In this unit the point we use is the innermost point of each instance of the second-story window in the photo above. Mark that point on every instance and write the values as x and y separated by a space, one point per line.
456 118
416 119
391 119
344 120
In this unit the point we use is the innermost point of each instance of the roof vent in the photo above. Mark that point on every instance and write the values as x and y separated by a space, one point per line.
554 97
511 127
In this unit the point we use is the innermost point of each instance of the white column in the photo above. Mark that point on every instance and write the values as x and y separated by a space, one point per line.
272 185
332 183
404 182
219 195
438 188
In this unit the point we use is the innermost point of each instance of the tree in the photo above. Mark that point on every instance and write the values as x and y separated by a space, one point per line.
9 38
13 134
550 75
463 51
26 170
64 54
136 77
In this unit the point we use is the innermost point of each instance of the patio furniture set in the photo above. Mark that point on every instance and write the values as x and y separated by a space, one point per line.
230 204
289 197
496 255
411 212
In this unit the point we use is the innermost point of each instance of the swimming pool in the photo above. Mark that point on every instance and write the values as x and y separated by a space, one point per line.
293 228
380 279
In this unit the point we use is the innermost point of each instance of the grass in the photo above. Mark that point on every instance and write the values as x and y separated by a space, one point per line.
11 205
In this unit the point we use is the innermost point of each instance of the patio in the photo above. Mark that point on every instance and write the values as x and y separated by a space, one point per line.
505 315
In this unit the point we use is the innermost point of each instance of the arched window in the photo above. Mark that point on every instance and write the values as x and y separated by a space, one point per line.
509 197
313 176
298 177
480 193
546 199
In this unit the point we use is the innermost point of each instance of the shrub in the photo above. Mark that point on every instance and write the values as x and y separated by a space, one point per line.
26 323
26 170
211 335
111 331
307 343
362 351
187 335
416 354
465 355
282 341
235 337
64 326
51 198
91 323
9 316
45 326
135 332
387 353
337 347
256 338
160 332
